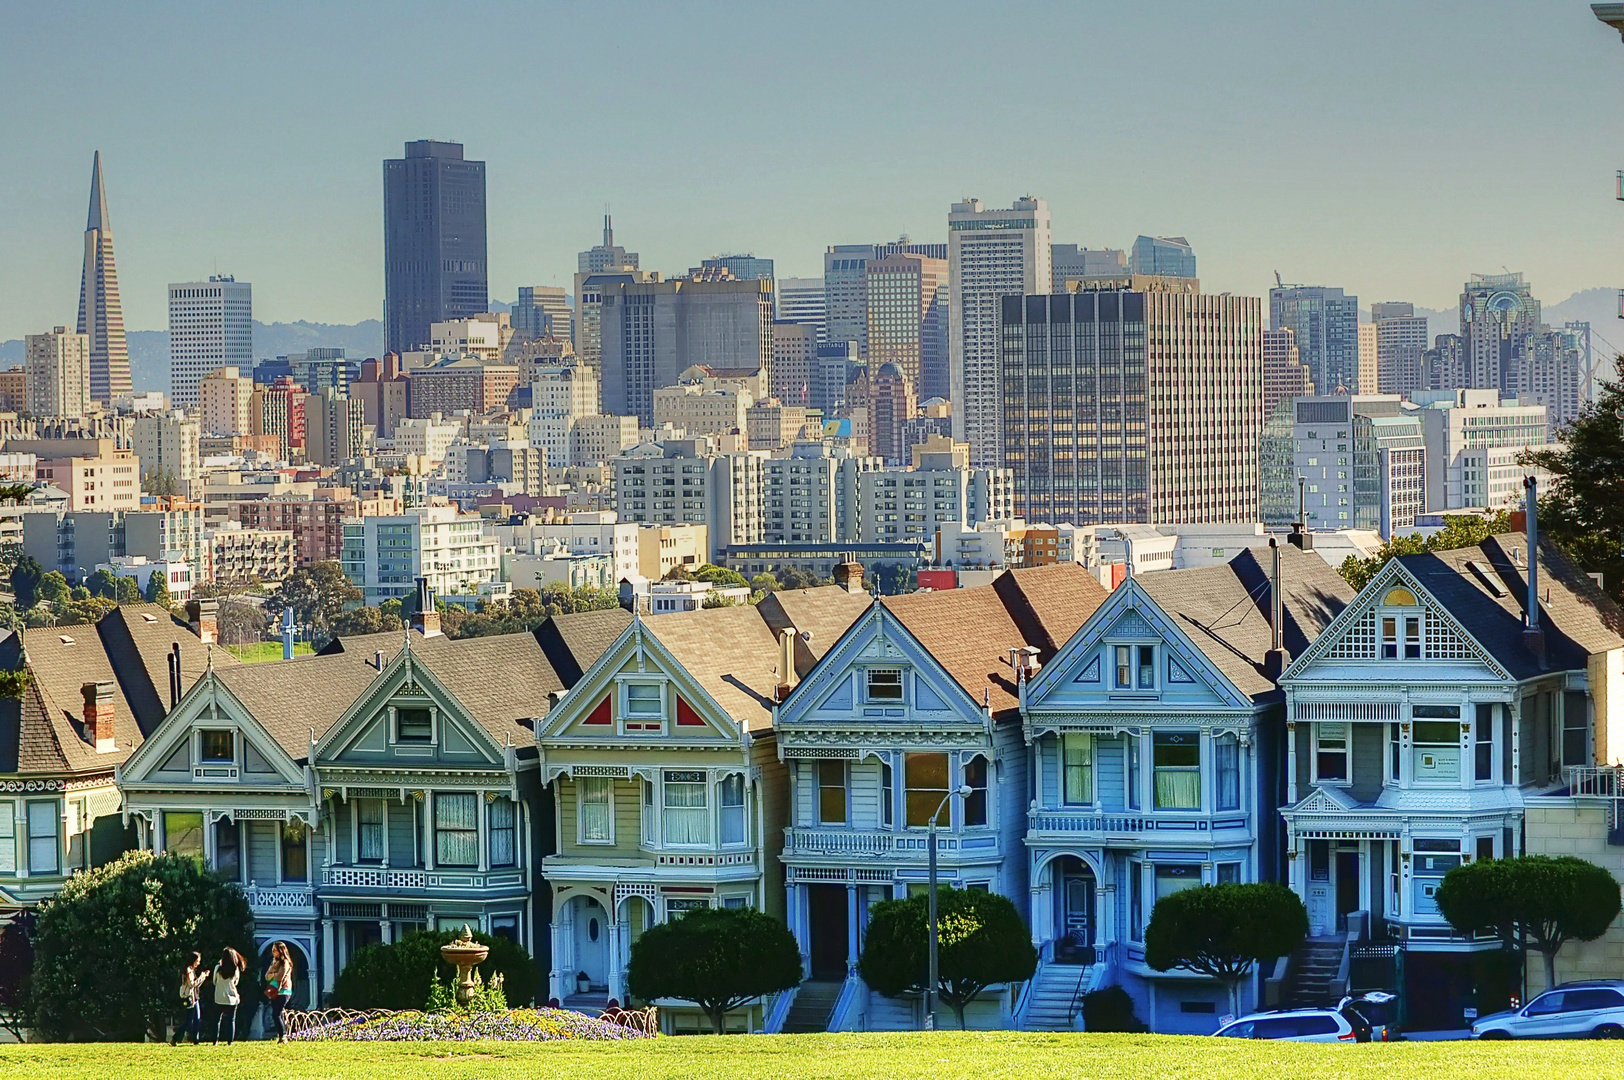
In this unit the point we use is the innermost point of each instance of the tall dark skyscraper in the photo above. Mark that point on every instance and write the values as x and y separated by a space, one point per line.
433 241
101 315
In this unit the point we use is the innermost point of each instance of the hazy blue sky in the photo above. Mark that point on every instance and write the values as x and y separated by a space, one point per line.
1390 148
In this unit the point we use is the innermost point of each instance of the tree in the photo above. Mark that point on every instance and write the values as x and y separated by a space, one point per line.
13 683
1539 901
766 584
718 958
364 620
1459 531
16 973
399 975
160 482
109 946
317 594
54 589
718 600
1584 509
719 575
25 579
103 583
1222 930
796 578
158 589
15 494
129 591
981 940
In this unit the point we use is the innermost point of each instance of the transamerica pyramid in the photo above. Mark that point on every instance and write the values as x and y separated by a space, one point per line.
100 313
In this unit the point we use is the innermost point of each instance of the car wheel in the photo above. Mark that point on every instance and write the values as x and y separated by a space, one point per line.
1608 1031
1495 1033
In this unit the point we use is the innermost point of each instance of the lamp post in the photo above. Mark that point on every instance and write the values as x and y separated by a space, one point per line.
963 792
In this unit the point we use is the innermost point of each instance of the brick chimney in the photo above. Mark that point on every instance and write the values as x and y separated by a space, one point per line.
99 715
204 619
849 574
426 619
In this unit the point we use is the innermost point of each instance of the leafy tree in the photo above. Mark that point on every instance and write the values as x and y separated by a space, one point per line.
1459 531
717 600
317 594
981 940
13 683
399 975
1110 1009
16 973
103 583
158 589
1222 930
795 578
766 584
53 588
108 947
1584 509
160 482
11 553
364 620
15 494
719 575
1539 901
718 958
25 580
129 591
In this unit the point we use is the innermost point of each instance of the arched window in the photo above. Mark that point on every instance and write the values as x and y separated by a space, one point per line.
1400 597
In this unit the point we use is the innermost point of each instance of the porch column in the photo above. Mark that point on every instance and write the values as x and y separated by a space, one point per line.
615 963
384 928
385 833
482 811
851 928
1104 894
329 959
1039 888
1291 763
428 829
1516 743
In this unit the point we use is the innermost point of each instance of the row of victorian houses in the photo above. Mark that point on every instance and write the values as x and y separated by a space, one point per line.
1254 721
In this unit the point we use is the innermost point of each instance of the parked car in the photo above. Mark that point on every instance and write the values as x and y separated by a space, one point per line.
1379 1010
1578 1010
1298 1025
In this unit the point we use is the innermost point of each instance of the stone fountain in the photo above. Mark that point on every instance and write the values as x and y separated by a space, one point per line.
465 954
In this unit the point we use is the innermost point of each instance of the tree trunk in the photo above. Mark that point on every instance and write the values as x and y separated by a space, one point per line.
1234 988
958 1011
1549 956
718 1019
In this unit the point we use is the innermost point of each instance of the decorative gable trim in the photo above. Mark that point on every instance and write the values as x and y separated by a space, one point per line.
405 675
686 716
209 699
601 716
1352 635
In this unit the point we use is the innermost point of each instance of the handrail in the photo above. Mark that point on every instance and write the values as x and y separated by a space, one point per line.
845 1003
773 1022
1077 993
1339 985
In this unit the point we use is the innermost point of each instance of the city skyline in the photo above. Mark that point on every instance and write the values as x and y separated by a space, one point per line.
1385 208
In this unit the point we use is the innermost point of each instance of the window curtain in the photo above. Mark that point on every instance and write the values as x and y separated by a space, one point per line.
1178 789
456 829
730 795
595 809
370 829
686 817
503 849
1227 758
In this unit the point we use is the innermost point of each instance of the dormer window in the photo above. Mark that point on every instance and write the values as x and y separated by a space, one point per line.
217 746
1135 667
1401 629
643 708
414 726
884 684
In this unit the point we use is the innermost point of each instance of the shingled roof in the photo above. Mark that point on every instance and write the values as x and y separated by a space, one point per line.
819 616
730 652
572 643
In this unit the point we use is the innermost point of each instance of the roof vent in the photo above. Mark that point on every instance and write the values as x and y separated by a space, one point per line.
149 617
65 639
1487 577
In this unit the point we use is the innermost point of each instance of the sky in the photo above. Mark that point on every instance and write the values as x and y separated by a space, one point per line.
1389 148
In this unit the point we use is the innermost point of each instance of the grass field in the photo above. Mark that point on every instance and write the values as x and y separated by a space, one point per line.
261 651
947 1056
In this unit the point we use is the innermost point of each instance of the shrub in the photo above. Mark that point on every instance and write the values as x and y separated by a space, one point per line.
1222 930
718 958
109 948
1110 1009
400 975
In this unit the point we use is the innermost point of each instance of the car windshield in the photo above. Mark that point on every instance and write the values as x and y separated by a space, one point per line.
1239 1030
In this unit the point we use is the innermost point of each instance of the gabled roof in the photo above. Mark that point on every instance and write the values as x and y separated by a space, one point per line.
138 639
1578 619
819 616
271 692
572 643
730 653
971 631
1225 609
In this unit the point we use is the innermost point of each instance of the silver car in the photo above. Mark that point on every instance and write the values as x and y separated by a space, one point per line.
1583 1010
1295 1025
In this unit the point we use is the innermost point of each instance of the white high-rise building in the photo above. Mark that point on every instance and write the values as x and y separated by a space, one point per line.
560 396
57 373
1473 440
991 254
800 300
211 326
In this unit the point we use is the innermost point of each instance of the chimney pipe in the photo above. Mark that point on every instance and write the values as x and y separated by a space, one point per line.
786 663
1300 537
377 659
1275 661
426 619
174 675
1533 633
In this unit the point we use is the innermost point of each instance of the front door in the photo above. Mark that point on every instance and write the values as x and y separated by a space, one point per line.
1074 933
1321 902
1347 886
829 920
591 946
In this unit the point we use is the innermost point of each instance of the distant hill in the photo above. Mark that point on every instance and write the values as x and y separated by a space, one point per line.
149 349
1598 307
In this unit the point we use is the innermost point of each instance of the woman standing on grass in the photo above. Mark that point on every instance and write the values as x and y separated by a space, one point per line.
192 978
226 999
279 987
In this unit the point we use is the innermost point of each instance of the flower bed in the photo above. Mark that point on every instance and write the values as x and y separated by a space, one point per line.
511 1025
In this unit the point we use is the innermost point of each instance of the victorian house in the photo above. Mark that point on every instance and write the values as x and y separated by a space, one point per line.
1155 736
1456 688
912 705
95 692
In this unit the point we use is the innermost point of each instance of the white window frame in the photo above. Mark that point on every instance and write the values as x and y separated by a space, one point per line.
743 809
868 685
355 833
1401 617
624 715
236 745
580 805
1134 666
394 726
8 837
1347 755
55 809
707 783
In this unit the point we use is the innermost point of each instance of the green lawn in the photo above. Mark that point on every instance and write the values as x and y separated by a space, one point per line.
261 651
948 1056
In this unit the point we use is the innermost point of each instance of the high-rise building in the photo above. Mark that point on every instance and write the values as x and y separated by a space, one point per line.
211 326
560 396
1138 405
795 353
1068 262
891 404
433 241
167 445
542 310
741 267
225 399
607 255
991 254
1444 365
1473 440
1498 312
101 315
1362 461
653 331
383 389
1401 339
57 373
1324 322
845 287
908 320
1162 256
1365 382
1552 369
1284 375
800 300
277 410
385 555
335 428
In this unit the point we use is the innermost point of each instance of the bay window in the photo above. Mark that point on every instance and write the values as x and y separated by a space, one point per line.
1226 762
227 850
295 861
183 832
1435 737
8 837
685 813
1176 761
924 779
44 826
1483 749
1172 879
596 810
887 796
504 833
975 803
730 809
1077 767
369 830
456 829
649 833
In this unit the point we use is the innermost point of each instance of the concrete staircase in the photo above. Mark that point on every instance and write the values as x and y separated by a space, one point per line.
1054 997
1315 970
592 1003
813 1004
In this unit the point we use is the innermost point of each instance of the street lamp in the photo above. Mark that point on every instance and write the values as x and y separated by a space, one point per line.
963 792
